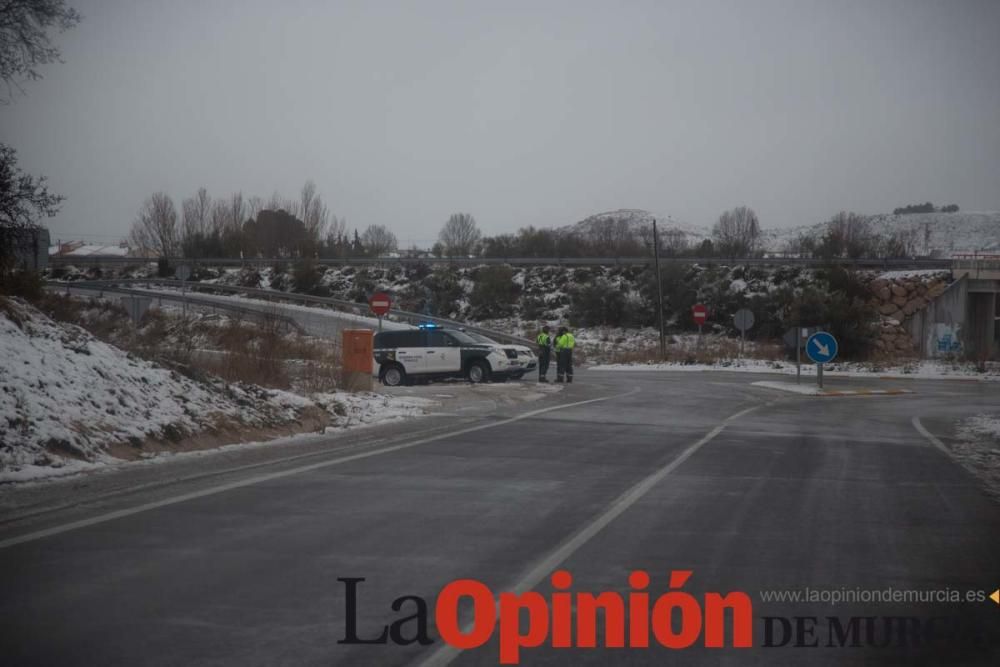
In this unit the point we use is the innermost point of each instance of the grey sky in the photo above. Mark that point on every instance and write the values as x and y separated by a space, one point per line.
521 113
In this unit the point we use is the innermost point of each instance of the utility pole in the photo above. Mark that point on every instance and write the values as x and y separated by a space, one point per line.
659 292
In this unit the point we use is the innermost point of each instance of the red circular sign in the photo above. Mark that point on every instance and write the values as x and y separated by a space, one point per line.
699 313
380 303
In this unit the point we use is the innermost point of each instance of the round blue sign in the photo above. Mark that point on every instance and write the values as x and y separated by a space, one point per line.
822 347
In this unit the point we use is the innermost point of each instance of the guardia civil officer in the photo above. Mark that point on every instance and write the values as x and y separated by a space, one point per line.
544 353
564 343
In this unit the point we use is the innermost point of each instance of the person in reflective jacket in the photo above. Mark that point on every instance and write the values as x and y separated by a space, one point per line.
564 344
544 341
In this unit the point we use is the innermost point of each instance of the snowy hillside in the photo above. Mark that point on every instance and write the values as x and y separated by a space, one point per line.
70 401
636 222
939 233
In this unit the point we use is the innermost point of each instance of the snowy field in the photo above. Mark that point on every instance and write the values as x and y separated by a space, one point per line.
72 402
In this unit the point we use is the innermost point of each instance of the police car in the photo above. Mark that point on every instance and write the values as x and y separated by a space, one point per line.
525 359
431 352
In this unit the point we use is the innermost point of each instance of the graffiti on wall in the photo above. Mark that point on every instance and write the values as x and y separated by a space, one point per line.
945 340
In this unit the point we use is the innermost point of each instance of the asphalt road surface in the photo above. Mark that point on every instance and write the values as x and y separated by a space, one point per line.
749 488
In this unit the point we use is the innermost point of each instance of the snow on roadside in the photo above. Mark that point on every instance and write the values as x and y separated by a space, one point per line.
68 400
804 389
924 370
977 447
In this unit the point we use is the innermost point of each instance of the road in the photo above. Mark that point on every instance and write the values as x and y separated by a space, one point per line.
749 488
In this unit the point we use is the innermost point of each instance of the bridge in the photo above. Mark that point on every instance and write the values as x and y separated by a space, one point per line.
884 264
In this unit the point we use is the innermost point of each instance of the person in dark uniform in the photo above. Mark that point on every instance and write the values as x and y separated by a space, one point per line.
544 353
565 342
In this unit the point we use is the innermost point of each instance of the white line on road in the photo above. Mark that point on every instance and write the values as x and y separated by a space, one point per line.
111 516
933 439
445 654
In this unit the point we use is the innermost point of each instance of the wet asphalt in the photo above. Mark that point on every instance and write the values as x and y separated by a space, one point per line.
749 488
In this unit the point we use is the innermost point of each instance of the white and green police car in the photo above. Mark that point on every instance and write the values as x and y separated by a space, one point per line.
430 352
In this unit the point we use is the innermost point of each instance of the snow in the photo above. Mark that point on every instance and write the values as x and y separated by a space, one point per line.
923 370
69 400
944 233
91 249
977 447
982 426
791 387
922 274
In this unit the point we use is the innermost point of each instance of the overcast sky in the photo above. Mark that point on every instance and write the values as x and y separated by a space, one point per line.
521 113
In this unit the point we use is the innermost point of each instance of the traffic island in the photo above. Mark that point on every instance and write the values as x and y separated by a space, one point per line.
813 390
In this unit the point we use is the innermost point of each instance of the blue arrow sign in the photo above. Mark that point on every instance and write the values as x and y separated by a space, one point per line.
821 347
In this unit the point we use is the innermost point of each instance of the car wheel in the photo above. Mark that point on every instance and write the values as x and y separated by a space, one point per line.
478 372
393 375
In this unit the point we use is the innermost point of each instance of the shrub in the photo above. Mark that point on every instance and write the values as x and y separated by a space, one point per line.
305 276
23 283
598 302
494 292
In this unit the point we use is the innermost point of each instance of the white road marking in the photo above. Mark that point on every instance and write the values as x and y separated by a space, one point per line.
933 439
446 653
111 516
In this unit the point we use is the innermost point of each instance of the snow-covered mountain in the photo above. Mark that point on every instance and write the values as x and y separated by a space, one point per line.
637 222
932 233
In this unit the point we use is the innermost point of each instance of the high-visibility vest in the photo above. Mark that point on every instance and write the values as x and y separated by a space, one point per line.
543 339
565 342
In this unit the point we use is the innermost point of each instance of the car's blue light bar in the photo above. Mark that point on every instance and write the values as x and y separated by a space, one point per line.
427 325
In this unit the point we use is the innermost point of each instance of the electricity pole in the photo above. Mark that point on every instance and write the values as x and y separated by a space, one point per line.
659 292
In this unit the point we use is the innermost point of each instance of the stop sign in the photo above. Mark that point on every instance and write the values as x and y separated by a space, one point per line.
700 313
380 303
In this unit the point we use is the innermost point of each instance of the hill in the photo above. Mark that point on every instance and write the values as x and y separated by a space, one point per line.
637 223
932 233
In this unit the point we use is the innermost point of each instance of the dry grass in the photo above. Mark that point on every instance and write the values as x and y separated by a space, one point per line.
264 351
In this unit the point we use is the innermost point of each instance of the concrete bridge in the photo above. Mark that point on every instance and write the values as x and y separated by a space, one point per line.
963 321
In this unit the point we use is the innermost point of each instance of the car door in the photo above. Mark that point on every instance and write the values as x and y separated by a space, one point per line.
411 350
444 353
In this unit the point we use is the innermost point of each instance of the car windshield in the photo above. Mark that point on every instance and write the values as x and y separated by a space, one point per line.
466 338
479 338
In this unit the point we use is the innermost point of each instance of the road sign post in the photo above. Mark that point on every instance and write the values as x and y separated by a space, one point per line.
183 272
822 348
699 313
380 303
798 355
743 319
659 293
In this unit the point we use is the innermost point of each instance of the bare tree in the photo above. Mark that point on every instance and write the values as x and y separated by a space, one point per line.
154 231
379 241
336 228
254 206
459 235
313 212
24 201
850 235
196 214
737 232
24 38
219 217
237 210
278 203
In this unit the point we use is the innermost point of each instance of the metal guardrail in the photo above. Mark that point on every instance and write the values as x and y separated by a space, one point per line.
177 298
106 260
341 305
